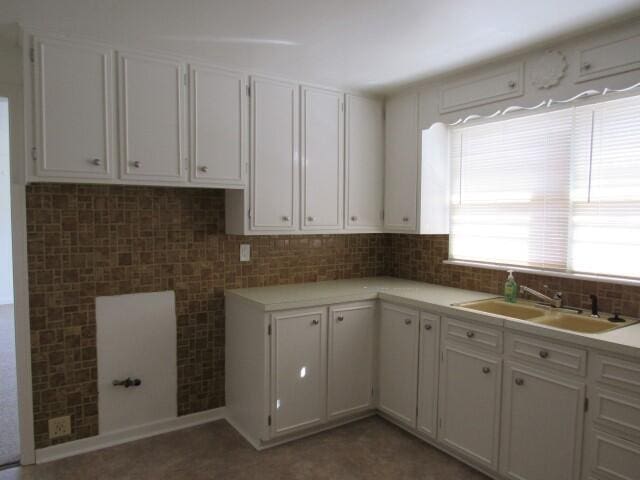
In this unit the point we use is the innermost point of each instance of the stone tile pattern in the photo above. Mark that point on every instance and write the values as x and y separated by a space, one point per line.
89 240
420 257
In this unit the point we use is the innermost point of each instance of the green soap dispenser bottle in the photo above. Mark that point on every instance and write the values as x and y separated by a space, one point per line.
510 289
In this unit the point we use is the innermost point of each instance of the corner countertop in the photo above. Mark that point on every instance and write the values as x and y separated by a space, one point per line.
434 298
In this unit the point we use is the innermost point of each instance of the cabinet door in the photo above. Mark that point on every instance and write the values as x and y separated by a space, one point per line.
364 163
541 425
401 172
298 369
469 403
351 347
217 126
274 154
73 110
322 152
428 373
151 91
398 363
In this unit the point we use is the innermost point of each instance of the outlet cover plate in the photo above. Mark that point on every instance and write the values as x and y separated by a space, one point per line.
60 426
245 252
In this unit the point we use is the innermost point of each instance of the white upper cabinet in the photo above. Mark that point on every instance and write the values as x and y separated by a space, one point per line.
322 158
274 154
401 164
151 94
218 133
364 171
398 363
74 105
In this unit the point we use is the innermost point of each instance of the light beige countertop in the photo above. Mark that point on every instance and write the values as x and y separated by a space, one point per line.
433 298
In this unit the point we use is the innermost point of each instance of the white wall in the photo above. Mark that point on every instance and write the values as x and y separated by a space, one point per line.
430 90
6 268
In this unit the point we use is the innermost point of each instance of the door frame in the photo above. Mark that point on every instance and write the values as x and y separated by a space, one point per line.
20 271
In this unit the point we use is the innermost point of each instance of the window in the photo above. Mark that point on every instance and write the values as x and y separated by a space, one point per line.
558 190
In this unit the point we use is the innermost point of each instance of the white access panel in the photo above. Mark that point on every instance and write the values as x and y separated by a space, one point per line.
136 337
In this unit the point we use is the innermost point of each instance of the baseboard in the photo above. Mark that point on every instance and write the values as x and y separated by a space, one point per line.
98 442
242 433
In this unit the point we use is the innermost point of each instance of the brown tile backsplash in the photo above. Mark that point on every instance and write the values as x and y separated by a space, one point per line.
420 257
86 240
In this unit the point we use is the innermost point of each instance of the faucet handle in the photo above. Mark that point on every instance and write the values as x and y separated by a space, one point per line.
556 293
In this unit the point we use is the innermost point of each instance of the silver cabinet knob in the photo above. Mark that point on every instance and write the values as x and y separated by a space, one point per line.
340 318
519 381
204 169
405 219
407 321
96 161
137 164
427 327
512 84
470 334
310 219
586 66
544 354
486 369
285 218
315 321
354 218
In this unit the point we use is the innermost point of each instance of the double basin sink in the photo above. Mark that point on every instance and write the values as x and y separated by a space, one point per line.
551 317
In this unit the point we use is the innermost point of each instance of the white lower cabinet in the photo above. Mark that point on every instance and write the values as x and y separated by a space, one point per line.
542 418
298 369
398 367
351 358
428 374
470 403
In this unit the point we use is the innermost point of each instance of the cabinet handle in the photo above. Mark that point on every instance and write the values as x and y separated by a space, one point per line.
470 334
486 369
544 354
285 218
137 164
405 219
97 162
204 169
519 381
354 218
315 321
586 66
407 321
310 219
512 84
427 326
340 318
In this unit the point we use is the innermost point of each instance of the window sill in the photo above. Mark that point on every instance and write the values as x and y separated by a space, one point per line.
548 273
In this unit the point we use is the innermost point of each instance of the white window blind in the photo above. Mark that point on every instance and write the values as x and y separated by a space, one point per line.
557 190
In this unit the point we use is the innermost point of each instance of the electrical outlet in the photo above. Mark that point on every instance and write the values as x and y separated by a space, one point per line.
245 252
59 426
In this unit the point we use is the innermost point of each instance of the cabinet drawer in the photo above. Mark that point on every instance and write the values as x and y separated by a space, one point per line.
548 354
473 333
614 458
616 372
615 410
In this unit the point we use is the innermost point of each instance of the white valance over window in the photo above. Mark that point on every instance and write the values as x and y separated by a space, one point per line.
558 190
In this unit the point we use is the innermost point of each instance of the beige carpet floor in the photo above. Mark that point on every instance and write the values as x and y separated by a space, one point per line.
368 449
9 443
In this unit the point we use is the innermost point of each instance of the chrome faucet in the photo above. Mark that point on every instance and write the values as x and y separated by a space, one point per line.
555 302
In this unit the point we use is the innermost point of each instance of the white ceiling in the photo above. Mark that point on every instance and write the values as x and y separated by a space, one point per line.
352 44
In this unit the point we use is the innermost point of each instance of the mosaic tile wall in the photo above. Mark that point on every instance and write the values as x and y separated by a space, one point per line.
85 241
420 257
